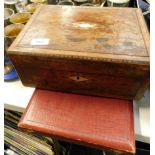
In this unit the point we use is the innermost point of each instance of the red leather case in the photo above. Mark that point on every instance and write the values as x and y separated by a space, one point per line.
93 121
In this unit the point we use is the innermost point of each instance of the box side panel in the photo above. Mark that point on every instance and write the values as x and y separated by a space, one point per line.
144 30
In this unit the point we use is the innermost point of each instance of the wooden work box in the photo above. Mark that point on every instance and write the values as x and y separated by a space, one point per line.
86 50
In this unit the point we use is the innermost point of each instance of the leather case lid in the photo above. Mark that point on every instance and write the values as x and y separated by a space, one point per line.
98 122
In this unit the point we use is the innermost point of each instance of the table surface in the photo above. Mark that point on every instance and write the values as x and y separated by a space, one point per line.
16 97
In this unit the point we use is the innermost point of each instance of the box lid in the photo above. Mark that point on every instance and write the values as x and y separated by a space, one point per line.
93 33
93 121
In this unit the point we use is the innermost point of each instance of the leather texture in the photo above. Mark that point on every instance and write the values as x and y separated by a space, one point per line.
93 121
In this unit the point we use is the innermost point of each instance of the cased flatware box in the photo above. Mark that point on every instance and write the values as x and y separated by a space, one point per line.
85 50
98 122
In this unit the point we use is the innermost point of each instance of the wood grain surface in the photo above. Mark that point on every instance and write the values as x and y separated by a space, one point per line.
92 121
91 50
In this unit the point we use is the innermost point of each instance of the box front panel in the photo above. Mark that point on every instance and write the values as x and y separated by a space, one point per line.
117 82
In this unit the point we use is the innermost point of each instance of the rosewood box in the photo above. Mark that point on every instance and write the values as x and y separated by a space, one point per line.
86 50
